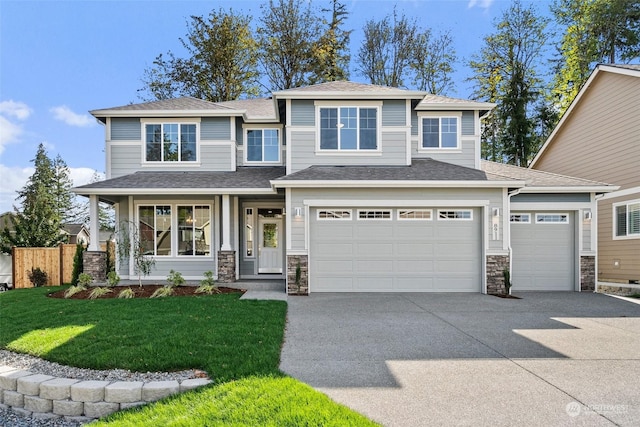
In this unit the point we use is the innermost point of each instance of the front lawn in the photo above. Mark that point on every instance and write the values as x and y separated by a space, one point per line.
236 341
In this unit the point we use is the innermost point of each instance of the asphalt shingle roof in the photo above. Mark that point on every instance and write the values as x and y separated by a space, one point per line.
420 170
346 87
258 108
244 177
533 177
184 103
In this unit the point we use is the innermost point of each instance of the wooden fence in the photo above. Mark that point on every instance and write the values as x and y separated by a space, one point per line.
56 262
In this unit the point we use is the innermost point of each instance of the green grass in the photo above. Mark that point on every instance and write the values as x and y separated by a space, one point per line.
236 341
634 296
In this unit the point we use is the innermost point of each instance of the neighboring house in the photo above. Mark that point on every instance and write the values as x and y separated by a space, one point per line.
598 138
357 187
76 233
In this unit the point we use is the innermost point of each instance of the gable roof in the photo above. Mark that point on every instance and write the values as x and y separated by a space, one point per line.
176 107
543 181
626 69
347 89
73 229
438 102
257 109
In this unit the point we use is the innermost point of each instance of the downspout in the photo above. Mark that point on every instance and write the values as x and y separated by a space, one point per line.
595 219
508 219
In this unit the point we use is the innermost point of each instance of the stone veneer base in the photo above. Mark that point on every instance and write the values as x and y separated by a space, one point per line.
301 288
44 396
495 276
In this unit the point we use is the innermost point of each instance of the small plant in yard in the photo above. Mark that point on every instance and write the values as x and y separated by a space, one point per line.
37 277
164 291
113 279
85 279
126 293
74 290
208 284
175 278
77 264
507 281
98 292
129 244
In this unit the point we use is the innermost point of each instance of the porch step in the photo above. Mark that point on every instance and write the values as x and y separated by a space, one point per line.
257 285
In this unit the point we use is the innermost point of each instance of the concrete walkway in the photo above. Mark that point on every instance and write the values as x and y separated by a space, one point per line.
470 359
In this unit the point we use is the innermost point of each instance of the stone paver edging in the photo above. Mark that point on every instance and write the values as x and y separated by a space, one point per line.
46 397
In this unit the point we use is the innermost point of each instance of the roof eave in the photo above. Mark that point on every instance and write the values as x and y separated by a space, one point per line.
292 183
350 95
165 113
484 106
570 189
170 191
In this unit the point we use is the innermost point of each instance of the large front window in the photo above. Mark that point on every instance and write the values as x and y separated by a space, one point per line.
348 128
440 132
189 236
627 219
263 145
170 142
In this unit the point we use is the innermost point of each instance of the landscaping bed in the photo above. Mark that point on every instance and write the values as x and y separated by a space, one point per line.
144 291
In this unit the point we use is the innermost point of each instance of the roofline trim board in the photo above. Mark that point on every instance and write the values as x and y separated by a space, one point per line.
170 191
393 184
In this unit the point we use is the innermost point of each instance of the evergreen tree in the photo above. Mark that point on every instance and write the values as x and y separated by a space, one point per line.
222 66
331 52
38 224
69 210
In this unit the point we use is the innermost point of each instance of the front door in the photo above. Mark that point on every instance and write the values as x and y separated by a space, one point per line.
270 249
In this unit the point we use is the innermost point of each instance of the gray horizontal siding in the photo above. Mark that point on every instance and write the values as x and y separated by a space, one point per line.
465 158
126 129
550 198
303 112
468 123
414 122
303 145
215 157
215 128
394 113
125 159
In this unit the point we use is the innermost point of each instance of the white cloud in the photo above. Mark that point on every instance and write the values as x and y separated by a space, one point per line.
82 176
10 131
64 114
484 4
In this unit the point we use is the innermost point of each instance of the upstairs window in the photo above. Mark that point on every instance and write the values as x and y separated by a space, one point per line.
170 142
348 128
263 145
440 132
627 220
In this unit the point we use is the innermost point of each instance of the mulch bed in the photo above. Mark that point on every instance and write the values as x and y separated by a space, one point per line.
144 292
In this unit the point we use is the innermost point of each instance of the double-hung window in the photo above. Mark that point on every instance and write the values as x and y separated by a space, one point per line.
170 142
627 219
439 132
263 145
348 128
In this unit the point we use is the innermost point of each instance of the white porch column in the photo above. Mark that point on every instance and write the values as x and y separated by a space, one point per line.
226 223
94 224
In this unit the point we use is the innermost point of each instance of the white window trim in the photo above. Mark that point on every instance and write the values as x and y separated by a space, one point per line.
430 211
348 218
538 215
374 210
528 221
455 210
354 104
615 220
174 226
440 115
246 128
254 212
181 121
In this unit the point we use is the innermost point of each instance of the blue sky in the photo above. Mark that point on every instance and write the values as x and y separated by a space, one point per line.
60 59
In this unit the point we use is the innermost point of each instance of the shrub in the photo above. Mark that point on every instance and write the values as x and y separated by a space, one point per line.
208 284
507 280
73 290
162 292
175 278
38 277
98 292
127 293
113 279
85 279
78 264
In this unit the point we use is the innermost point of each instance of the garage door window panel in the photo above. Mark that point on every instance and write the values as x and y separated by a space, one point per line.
552 218
455 215
521 218
374 215
415 215
329 215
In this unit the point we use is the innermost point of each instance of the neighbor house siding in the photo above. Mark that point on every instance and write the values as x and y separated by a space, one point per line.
126 129
625 251
599 141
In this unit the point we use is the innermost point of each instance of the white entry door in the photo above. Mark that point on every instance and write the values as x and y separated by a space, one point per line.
270 249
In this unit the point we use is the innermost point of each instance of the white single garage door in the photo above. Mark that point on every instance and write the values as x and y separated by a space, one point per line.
395 250
543 245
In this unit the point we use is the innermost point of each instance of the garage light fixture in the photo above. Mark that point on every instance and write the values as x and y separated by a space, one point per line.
297 212
496 212
587 215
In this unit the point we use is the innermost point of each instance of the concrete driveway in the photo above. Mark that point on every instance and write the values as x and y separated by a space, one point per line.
469 359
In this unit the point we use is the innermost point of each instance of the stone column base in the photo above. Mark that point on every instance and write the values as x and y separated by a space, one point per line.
495 279
226 266
94 263
587 273
302 286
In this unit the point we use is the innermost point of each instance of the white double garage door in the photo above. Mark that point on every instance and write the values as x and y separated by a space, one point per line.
429 250
395 250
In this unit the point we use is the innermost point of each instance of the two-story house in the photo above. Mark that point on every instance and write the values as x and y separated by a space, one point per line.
599 138
354 187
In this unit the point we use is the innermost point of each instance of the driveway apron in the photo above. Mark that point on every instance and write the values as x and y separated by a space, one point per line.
558 358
